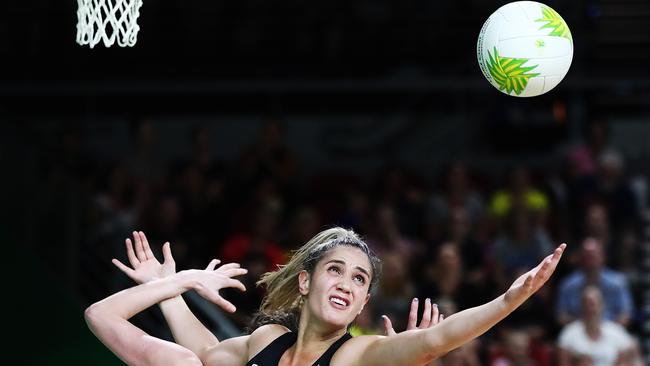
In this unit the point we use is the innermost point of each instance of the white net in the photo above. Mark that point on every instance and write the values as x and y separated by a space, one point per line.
108 20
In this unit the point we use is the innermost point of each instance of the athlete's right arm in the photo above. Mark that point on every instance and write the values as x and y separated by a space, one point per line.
109 318
186 329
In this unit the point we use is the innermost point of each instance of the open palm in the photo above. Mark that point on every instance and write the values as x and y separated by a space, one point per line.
528 283
208 282
144 265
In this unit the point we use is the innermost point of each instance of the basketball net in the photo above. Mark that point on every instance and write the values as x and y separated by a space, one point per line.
108 20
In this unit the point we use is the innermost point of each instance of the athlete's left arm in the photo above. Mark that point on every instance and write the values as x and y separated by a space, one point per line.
419 346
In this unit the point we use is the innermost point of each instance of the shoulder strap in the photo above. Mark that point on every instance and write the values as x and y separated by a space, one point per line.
326 358
271 354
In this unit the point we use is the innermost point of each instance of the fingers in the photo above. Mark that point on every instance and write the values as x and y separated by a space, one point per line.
235 272
226 305
441 318
220 301
139 249
236 284
128 271
213 263
557 254
228 266
131 254
559 251
436 317
167 253
546 265
545 268
413 315
426 315
145 245
230 269
388 326
529 281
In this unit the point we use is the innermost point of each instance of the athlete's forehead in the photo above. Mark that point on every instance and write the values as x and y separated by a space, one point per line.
349 256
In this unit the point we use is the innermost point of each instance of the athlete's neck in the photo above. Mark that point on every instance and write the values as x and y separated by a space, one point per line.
314 338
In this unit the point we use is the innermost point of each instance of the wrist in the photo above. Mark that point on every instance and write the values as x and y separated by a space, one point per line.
171 302
187 279
511 300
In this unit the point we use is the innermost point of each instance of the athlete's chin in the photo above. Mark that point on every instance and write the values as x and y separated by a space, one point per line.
338 320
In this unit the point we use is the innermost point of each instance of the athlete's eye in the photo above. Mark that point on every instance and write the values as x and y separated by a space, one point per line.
335 269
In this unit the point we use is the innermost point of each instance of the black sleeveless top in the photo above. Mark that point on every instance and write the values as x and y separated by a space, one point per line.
271 354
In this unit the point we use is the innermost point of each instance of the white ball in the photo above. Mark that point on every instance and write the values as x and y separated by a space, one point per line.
524 48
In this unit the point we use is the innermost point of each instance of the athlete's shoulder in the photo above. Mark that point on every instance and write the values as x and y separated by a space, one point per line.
351 352
263 336
270 329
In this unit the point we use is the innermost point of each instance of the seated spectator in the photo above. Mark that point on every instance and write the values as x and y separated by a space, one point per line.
618 306
520 245
457 194
471 249
521 193
603 342
518 349
445 280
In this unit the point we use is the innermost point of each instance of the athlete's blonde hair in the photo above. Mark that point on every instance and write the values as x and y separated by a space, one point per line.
283 298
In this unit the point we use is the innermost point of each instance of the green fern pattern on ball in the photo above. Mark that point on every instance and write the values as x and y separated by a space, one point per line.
554 22
510 73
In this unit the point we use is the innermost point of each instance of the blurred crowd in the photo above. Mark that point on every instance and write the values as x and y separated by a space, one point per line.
458 236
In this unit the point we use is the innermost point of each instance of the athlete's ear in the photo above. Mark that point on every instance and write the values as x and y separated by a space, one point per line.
364 303
303 282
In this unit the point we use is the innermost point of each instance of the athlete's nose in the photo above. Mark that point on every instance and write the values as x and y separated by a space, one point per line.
344 286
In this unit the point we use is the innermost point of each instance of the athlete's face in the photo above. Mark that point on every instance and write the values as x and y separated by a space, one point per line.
337 290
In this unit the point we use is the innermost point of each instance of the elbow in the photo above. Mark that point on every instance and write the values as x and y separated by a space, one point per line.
93 315
435 345
90 314
186 358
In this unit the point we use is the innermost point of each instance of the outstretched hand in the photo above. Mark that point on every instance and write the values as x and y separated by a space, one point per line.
531 281
144 265
430 317
208 282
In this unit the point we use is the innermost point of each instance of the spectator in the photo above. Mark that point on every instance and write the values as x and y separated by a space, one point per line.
604 342
471 249
520 245
613 285
520 194
457 194
445 280
609 187
515 351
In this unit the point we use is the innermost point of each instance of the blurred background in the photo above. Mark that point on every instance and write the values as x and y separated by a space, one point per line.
238 130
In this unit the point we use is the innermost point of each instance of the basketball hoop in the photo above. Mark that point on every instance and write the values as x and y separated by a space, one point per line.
108 20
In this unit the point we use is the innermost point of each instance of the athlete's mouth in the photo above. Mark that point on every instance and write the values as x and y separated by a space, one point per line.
340 301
